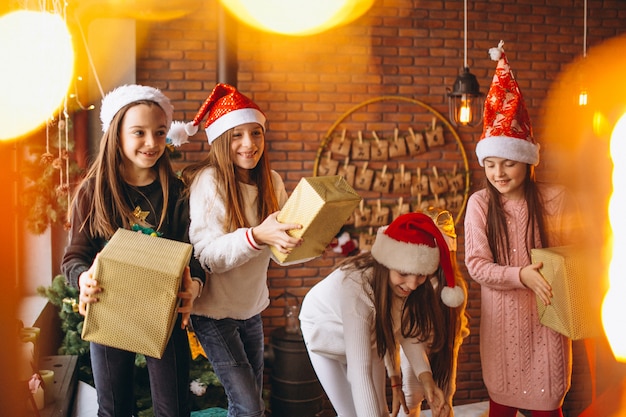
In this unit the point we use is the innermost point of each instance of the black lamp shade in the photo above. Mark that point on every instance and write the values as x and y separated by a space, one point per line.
465 100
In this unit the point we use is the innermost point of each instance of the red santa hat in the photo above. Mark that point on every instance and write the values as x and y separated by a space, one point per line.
413 244
124 95
226 108
507 132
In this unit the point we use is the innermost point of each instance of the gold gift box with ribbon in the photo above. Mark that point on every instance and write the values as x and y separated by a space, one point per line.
141 276
321 205
575 308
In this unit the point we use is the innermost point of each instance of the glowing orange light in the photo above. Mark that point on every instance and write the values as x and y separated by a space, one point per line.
613 307
464 113
296 17
38 63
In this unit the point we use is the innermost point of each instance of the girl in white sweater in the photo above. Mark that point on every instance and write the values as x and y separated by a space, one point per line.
234 200
358 317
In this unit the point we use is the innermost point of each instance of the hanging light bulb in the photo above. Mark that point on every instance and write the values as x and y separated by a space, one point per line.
582 95
465 101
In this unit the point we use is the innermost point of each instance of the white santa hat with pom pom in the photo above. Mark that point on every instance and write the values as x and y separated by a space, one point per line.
124 95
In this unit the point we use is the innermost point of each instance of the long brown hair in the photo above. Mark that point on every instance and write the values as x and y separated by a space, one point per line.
227 177
424 316
108 209
455 322
497 233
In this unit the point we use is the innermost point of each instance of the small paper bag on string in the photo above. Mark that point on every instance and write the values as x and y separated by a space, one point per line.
438 184
380 215
363 179
366 240
347 171
360 149
321 205
439 202
362 215
454 202
402 181
340 145
419 187
382 181
397 148
400 208
415 143
327 166
434 135
456 181
379 149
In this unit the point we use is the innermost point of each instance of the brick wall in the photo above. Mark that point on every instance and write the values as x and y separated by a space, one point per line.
406 48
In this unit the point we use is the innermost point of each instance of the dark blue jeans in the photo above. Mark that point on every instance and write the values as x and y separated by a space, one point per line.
113 373
235 350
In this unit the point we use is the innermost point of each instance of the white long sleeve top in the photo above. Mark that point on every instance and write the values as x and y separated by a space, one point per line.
337 320
237 284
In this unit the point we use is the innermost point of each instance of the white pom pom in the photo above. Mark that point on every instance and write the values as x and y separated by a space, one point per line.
452 296
191 129
177 134
496 53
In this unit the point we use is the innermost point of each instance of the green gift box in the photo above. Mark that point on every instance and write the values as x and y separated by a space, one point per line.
321 205
575 308
141 276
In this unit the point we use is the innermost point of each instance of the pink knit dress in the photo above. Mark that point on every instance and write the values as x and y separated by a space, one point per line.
524 364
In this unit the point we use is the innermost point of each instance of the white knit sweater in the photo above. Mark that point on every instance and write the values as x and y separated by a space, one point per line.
237 284
337 320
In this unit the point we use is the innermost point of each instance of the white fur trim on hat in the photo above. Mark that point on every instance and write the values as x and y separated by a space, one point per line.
126 94
404 257
515 149
233 119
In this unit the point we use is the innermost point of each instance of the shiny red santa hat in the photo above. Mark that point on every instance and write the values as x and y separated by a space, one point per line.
226 108
413 244
507 132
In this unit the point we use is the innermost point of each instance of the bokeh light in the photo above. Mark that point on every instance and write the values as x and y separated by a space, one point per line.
36 72
296 17
613 307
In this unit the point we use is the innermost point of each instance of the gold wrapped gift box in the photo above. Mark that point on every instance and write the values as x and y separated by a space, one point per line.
321 205
575 308
141 277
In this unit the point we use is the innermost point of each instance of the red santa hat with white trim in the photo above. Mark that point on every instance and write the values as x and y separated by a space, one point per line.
226 108
507 132
413 244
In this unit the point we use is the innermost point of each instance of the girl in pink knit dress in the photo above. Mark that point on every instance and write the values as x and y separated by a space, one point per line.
525 364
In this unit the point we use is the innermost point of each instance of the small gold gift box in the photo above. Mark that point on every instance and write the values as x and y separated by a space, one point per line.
575 308
140 276
321 205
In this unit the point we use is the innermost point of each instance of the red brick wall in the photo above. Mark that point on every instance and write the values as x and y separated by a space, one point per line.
409 48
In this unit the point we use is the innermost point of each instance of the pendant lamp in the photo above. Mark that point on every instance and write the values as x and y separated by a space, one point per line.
582 95
465 101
